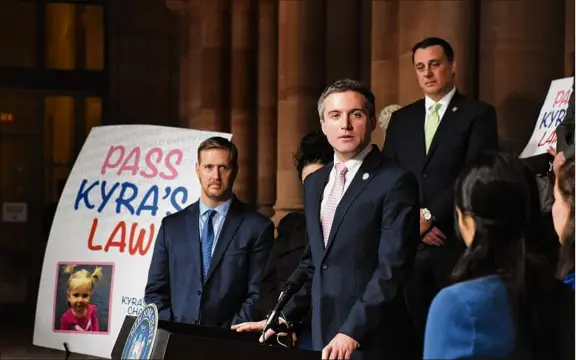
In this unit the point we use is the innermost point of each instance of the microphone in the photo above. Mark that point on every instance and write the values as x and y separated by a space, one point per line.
294 283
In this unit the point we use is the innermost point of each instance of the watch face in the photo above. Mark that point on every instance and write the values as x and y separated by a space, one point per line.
427 215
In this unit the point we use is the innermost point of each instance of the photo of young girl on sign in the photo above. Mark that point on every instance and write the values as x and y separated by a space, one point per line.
81 315
82 297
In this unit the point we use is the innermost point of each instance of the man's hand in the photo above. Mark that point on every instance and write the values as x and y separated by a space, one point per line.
257 326
267 336
434 237
424 224
341 347
559 159
552 151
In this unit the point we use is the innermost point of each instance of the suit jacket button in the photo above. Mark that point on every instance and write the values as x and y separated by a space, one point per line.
324 267
199 292
424 175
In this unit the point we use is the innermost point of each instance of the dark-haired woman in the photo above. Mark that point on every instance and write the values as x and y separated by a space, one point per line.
563 216
505 303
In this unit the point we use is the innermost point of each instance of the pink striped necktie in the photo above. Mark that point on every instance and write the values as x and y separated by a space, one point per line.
333 200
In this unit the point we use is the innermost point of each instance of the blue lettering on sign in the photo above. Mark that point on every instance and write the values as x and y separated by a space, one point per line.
552 118
124 197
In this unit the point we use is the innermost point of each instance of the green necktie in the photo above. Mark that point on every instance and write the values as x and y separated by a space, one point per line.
431 125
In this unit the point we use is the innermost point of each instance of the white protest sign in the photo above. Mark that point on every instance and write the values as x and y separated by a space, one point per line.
551 115
125 180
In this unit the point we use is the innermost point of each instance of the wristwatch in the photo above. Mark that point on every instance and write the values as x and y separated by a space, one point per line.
428 215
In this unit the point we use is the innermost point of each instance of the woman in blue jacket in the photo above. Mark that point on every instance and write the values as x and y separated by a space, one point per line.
505 303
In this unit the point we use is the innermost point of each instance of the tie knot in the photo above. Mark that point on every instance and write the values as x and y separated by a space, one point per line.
210 213
434 108
341 169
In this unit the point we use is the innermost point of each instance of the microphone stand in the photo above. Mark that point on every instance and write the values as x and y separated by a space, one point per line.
67 349
286 329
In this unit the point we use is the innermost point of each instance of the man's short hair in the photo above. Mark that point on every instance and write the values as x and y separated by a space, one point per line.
218 142
344 85
433 41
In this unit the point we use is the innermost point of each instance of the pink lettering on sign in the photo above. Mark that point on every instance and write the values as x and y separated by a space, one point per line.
548 138
562 98
152 164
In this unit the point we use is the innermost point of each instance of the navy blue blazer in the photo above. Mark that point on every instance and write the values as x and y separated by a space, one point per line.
232 285
355 281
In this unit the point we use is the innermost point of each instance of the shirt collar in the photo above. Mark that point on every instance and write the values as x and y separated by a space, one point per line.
221 209
356 161
445 101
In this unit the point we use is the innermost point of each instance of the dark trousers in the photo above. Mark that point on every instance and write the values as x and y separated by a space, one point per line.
430 273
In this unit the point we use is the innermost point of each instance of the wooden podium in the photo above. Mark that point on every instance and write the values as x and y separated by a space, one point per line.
179 341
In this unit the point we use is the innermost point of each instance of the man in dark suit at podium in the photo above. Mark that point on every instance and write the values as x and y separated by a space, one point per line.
362 222
209 258
434 138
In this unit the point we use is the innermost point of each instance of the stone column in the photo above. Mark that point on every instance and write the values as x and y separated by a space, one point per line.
266 118
242 86
189 102
520 54
384 69
342 42
569 39
204 63
365 40
300 82
454 21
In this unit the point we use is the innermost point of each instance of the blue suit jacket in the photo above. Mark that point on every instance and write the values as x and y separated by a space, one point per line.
226 296
356 279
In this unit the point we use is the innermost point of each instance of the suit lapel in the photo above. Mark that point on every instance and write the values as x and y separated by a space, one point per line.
443 131
324 176
229 228
193 236
362 178
420 118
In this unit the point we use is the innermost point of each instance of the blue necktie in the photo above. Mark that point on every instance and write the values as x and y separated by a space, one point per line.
207 240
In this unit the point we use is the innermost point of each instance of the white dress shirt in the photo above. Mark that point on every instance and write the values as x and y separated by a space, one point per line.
444 103
353 165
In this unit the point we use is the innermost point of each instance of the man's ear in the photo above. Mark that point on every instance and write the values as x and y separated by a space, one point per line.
454 67
373 123
235 170
322 123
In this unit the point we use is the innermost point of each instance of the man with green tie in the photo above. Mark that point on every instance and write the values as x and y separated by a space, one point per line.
434 138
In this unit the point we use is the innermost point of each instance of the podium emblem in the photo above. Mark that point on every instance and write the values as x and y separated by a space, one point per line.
141 338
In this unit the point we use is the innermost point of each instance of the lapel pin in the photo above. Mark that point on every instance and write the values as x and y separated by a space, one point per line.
454 109
365 176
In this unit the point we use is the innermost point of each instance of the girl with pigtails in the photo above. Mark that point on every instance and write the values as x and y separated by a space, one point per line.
81 315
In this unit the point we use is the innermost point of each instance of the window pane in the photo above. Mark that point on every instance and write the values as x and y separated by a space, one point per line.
17 33
93 22
20 110
60 36
59 116
93 113
20 141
